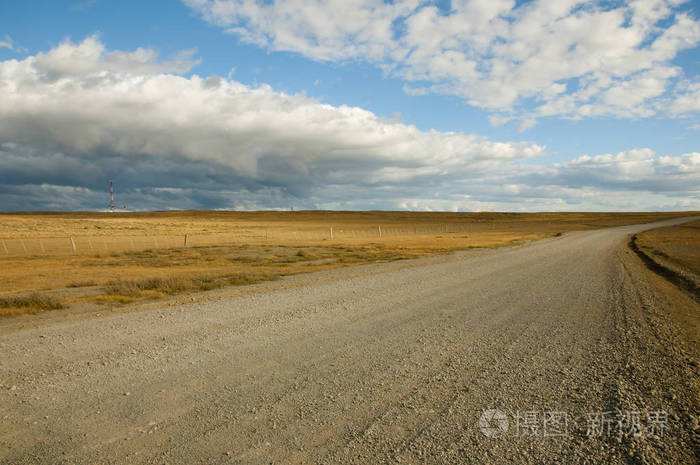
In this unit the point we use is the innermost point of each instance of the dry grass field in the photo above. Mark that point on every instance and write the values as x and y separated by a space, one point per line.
125 257
676 246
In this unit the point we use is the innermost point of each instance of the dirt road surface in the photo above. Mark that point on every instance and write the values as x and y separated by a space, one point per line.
392 362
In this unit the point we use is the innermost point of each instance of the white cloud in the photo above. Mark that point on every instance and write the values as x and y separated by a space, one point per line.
89 57
526 123
7 43
687 101
639 169
567 58
129 103
499 120
74 116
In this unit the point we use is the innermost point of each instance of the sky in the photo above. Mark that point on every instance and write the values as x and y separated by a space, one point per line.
463 105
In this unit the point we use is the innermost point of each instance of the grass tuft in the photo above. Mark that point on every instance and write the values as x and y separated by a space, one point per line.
28 304
125 291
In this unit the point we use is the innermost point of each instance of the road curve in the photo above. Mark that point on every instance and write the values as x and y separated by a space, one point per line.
385 363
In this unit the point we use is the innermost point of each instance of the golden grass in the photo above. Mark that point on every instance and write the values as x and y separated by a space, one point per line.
679 245
293 246
32 303
124 291
205 268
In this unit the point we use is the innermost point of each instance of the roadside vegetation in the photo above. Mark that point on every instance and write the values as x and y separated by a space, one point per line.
28 304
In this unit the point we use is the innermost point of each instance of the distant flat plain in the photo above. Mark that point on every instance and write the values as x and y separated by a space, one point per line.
233 248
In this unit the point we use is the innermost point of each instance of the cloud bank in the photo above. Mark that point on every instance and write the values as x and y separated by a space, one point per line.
77 115
519 60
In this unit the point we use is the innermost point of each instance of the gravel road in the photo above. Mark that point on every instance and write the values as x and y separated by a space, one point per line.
386 363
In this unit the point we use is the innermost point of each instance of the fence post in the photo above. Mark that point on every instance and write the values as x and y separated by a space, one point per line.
331 232
72 243
380 230
185 240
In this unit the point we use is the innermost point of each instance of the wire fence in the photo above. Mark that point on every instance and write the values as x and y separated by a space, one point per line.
89 245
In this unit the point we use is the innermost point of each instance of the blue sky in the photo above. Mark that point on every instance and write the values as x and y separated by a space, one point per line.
345 71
